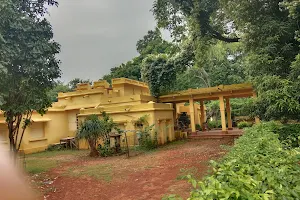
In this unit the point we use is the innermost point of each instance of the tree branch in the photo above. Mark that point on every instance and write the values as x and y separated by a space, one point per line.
219 36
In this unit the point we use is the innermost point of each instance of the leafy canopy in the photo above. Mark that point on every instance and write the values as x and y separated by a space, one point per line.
28 63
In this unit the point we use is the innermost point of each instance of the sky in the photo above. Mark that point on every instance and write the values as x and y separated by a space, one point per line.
96 35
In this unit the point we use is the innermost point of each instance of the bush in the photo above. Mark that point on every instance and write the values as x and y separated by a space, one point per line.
242 125
257 167
214 124
198 127
105 150
289 134
146 142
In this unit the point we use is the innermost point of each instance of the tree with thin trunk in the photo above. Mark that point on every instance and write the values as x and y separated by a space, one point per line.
92 129
28 64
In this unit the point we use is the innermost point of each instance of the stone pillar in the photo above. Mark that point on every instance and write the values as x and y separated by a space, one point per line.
228 111
202 120
222 110
192 114
257 121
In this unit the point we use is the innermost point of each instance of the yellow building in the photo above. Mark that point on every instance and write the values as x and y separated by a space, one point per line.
126 101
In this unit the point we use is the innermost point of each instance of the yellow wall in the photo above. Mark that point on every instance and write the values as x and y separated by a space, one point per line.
125 102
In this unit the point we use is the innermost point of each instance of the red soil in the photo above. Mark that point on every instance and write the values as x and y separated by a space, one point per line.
147 176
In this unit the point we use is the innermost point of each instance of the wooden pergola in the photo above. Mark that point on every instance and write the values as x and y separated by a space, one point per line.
221 93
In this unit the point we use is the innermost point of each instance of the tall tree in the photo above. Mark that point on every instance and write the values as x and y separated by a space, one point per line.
159 73
269 34
151 43
73 83
28 64
58 87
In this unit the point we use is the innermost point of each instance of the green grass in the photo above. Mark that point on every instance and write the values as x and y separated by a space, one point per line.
35 166
100 172
49 154
46 160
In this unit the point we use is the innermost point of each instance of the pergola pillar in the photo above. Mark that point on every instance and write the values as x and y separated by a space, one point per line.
222 110
192 114
257 121
202 115
228 112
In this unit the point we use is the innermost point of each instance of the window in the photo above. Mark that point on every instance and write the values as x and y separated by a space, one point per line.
3 133
37 130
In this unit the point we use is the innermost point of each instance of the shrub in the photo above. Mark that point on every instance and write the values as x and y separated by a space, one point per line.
105 150
257 167
214 124
146 142
289 134
244 124
198 127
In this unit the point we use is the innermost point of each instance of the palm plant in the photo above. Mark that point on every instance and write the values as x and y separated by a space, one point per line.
90 130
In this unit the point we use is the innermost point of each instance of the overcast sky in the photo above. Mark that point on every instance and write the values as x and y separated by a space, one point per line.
96 35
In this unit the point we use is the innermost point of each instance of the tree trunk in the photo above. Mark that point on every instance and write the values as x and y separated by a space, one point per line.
94 152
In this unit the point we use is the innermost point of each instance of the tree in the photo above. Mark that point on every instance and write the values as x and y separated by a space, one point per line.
268 32
206 16
73 83
59 87
151 43
92 129
159 73
28 64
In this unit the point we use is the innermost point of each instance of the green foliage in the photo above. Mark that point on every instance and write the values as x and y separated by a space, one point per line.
93 129
198 127
257 167
159 73
151 43
28 64
244 124
183 121
289 134
73 83
105 150
146 141
59 87
214 124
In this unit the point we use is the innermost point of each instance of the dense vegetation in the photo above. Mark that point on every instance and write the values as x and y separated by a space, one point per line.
225 42
259 166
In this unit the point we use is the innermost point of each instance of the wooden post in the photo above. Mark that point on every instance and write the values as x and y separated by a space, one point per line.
202 120
228 111
192 115
222 110
127 145
257 121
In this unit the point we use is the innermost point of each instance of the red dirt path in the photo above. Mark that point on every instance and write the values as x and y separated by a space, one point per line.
147 176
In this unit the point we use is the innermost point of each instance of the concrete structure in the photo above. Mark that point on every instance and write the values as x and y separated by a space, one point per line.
221 93
125 101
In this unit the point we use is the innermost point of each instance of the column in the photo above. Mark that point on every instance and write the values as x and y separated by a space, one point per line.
192 115
202 120
257 121
222 110
228 111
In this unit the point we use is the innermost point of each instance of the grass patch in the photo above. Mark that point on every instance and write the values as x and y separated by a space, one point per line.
35 166
49 154
100 172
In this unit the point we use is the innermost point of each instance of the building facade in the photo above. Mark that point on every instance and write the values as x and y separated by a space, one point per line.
125 101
